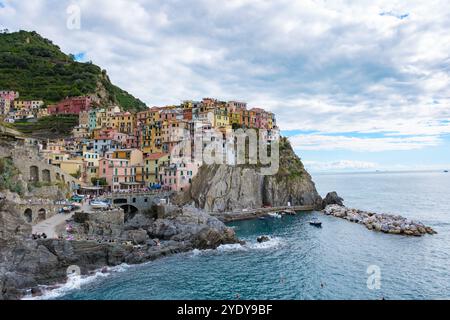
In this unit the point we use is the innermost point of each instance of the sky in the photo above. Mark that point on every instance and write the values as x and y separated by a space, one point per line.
356 85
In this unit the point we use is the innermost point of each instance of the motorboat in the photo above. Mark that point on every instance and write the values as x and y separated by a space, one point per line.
99 205
315 223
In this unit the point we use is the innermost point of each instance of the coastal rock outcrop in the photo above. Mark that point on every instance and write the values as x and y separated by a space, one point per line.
386 223
332 198
195 226
221 188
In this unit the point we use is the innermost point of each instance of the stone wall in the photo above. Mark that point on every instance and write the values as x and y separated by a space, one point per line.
141 202
34 167
113 216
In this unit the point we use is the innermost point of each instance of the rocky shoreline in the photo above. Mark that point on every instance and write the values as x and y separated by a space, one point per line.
27 265
386 223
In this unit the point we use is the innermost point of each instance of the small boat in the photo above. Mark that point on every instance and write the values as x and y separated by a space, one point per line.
289 212
315 223
274 215
99 205
446 171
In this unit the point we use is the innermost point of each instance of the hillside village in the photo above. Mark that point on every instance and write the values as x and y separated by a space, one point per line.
115 150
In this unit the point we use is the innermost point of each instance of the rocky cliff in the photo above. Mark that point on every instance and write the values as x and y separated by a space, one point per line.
219 188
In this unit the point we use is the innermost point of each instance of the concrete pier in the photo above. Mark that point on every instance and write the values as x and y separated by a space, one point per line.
248 214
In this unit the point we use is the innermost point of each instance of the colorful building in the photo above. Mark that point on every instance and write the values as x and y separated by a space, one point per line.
120 173
152 165
28 104
73 105
221 118
178 176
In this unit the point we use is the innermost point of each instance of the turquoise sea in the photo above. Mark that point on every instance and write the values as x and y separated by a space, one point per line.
305 262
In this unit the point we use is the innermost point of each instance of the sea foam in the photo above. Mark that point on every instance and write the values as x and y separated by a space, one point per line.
74 282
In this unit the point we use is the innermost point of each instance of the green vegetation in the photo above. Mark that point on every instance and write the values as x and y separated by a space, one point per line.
39 184
8 177
48 127
123 98
38 69
76 175
101 182
290 164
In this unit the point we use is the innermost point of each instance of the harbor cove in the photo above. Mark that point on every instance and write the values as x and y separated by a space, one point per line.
303 262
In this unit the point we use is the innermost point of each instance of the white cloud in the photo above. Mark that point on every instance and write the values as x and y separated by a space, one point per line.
322 66
340 165
323 142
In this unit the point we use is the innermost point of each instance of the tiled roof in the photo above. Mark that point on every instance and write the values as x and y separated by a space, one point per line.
155 156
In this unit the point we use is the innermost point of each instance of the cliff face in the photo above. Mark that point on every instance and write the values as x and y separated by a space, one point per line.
12 225
219 188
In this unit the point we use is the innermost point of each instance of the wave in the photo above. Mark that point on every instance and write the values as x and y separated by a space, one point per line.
236 247
74 282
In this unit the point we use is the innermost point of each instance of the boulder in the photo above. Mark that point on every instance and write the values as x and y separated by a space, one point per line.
137 236
332 198
261 239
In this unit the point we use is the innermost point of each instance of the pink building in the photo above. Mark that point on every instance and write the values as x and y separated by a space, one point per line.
259 118
178 177
119 174
9 95
6 101
73 105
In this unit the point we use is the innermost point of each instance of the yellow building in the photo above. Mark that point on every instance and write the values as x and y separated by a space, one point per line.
271 120
106 118
73 167
221 118
236 118
91 165
125 122
149 122
20 104
152 166
28 104
134 156
56 157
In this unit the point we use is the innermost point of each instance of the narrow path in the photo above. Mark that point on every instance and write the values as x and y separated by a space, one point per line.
48 226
